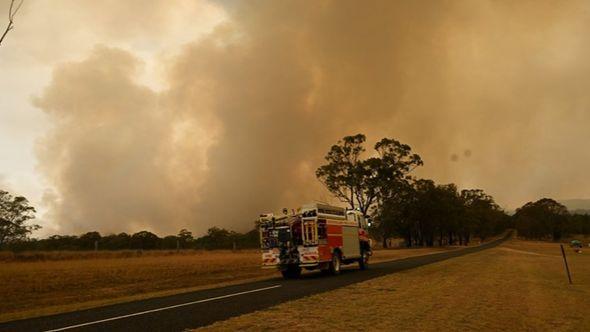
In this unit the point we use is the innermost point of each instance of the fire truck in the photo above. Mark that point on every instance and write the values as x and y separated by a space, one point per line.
316 236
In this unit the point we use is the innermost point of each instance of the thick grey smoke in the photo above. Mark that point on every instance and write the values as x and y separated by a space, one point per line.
252 108
112 153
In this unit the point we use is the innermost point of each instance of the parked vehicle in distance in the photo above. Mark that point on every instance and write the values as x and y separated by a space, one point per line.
316 236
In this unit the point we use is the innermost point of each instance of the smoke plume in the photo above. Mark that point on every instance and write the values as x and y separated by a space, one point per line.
250 110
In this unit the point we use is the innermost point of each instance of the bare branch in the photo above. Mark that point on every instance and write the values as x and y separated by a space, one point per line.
11 14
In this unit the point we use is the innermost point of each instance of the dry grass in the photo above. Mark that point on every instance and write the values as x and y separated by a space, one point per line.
44 256
520 286
52 282
382 255
40 256
35 287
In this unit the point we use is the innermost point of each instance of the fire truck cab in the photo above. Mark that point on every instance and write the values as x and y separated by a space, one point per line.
316 236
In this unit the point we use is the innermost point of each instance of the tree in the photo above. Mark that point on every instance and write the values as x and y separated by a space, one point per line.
579 224
170 242
391 170
15 212
14 8
424 213
362 183
144 240
387 181
249 240
542 219
87 241
115 241
392 215
60 242
185 238
342 174
216 238
483 216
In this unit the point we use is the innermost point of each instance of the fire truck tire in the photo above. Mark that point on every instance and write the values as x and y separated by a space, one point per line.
364 260
292 272
335 264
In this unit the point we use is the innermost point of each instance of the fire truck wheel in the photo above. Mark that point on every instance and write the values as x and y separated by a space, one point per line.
364 260
335 264
292 272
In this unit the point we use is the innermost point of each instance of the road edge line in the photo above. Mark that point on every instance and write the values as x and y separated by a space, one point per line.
162 309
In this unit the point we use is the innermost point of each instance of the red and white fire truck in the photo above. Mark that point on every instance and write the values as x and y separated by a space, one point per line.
316 236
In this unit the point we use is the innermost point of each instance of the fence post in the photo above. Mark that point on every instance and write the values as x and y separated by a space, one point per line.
567 269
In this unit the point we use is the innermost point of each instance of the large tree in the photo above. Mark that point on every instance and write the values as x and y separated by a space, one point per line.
542 219
144 240
482 217
363 182
185 238
390 171
15 212
342 174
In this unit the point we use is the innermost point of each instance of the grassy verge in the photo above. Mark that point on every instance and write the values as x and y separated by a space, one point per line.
42 287
48 283
518 286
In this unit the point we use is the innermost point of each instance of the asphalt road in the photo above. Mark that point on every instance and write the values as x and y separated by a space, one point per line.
200 308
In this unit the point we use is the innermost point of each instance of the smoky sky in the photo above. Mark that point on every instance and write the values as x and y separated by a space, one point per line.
250 109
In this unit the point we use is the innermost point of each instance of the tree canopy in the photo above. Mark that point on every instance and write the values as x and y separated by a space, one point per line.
424 213
15 212
541 219
361 183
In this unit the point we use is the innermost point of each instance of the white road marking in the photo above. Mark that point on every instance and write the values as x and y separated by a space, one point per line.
164 308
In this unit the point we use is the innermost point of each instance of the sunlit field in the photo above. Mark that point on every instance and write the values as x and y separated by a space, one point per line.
48 282
520 286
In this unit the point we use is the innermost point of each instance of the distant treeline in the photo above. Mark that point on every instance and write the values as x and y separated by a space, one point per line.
427 214
547 219
216 238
